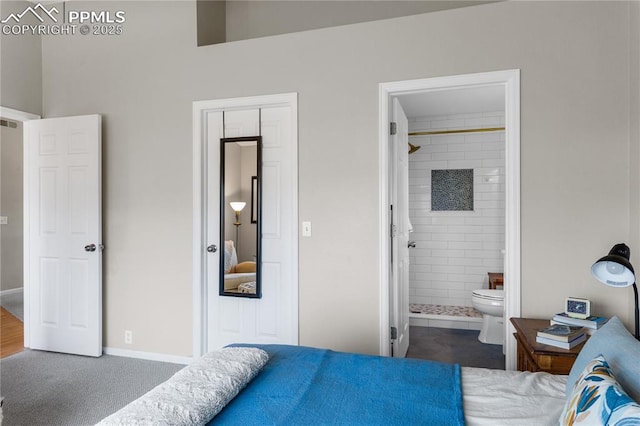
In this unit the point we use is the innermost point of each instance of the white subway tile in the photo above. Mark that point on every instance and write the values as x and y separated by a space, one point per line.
464 147
480 221
447 237
459 164
431 292
453 269
493 162
481 155
421 300
447 220
464 229
473 245
465 261
448 156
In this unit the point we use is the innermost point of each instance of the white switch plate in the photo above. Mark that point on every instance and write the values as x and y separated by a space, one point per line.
4 220
306 229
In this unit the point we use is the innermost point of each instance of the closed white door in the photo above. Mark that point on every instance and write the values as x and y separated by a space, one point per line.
273 318
400 233
63 235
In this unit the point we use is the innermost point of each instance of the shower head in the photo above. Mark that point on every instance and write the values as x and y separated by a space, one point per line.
413 148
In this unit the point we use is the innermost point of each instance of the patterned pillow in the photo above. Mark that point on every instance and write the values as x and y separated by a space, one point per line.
598 399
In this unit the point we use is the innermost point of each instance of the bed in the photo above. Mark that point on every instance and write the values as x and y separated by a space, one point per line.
238 277
289 385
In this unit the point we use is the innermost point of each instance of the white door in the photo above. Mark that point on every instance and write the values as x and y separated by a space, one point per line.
274 317
63 235
400 233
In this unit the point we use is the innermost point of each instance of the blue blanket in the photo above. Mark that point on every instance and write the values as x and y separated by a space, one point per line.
306 386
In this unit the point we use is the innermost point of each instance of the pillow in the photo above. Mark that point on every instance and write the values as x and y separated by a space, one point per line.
230 257
598 399
620 349
245 267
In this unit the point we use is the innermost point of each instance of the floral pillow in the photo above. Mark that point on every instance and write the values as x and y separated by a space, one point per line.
598 399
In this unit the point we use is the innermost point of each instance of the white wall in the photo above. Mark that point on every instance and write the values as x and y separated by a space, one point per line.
455 250
576 98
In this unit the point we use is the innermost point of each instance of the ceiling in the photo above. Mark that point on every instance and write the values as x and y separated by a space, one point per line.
454 101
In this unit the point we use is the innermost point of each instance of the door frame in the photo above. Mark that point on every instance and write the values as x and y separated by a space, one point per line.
22 116
510 79
201 294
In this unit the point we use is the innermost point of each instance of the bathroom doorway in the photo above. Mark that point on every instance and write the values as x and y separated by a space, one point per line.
463 133
456 207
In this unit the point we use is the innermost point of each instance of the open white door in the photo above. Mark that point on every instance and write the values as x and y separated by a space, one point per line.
400 232
63 235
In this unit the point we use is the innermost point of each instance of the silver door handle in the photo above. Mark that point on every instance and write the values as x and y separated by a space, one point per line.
411 244
212 248
90 247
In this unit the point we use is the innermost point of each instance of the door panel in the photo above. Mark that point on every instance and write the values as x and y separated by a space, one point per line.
272 318
401 225
63 281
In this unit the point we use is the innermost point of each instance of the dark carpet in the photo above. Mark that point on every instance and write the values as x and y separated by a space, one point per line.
453 346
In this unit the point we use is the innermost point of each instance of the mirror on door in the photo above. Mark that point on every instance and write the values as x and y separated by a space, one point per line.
240 213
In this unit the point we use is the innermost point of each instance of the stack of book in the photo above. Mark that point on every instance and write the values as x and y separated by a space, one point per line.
591 324
561 336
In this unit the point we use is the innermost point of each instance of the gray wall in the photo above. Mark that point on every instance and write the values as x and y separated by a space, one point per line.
20 65
634 133
11 206
251 19
576 128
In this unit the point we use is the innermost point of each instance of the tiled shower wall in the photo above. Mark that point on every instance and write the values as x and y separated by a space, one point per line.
455 250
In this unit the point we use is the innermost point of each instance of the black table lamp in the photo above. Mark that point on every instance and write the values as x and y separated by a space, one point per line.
615 270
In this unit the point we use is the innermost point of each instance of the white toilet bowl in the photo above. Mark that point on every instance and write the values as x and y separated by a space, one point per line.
490 303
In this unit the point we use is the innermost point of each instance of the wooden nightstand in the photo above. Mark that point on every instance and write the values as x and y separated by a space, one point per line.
533 356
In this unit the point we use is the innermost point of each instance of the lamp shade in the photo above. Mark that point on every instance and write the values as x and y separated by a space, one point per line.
238 205
614 269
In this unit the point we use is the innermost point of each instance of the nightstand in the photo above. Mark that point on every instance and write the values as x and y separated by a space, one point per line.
533 356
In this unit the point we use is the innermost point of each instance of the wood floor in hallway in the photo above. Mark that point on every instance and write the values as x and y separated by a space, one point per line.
11 334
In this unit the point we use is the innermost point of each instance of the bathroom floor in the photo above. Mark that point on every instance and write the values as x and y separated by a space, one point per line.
453 346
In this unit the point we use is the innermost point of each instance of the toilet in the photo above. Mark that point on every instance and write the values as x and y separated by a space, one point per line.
490 303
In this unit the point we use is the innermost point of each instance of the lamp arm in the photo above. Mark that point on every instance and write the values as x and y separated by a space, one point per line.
635 293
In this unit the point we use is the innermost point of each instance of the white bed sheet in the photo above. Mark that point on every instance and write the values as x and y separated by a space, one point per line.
511 398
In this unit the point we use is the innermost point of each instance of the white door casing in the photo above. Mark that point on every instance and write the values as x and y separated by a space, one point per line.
510 79
63 235
220 320
400 230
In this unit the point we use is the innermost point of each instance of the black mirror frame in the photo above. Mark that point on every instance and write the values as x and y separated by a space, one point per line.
223 142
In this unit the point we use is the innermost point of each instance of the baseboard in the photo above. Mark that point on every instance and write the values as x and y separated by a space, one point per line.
11 291
150 356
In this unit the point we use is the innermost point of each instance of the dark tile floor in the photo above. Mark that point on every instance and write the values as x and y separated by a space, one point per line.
453 346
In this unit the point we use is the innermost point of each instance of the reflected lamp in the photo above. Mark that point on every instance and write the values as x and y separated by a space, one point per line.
237 207
615 270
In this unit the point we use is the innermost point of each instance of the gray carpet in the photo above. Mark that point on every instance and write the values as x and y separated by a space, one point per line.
45 388
14 304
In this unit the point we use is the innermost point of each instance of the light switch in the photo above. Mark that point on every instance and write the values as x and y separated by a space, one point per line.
306 229
4 220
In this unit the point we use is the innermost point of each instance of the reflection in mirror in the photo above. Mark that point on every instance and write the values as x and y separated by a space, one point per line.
240 213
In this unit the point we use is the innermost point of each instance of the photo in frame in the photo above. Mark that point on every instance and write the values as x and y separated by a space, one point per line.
254 199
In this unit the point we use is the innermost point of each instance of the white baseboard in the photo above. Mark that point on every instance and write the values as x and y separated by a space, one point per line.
11 291
150 356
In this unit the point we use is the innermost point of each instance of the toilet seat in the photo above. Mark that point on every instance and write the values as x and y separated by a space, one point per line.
494 295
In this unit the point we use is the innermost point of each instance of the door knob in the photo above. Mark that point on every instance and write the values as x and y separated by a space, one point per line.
90 247
411 244
212 248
